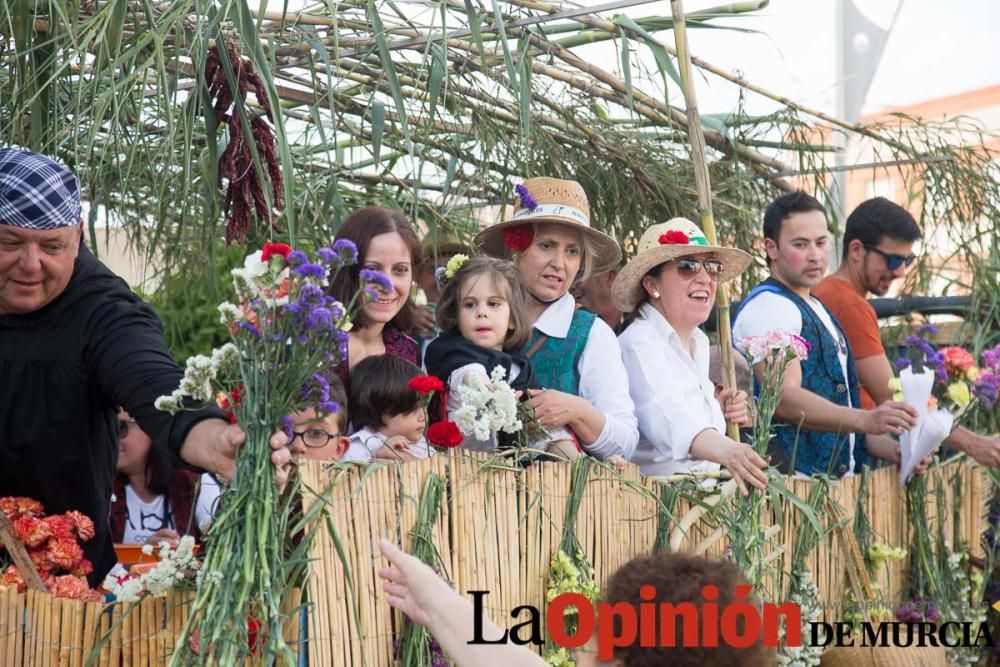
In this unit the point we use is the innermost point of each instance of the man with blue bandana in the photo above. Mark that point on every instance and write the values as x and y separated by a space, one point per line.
76 343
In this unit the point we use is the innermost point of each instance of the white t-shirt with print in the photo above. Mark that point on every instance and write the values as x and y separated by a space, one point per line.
145 518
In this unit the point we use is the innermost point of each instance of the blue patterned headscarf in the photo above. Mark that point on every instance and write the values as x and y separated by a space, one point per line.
36 192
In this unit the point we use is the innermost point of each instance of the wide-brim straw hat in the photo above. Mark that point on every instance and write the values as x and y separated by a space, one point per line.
557 202
661 243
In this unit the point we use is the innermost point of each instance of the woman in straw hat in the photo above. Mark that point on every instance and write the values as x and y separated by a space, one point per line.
573 352
670 287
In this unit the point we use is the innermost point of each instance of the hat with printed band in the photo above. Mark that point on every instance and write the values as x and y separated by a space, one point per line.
661 243
551 201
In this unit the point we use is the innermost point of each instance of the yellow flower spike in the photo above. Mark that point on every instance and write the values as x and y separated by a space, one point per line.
958 392
454 264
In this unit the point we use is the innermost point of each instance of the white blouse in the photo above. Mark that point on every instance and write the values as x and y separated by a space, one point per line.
603 381
674 398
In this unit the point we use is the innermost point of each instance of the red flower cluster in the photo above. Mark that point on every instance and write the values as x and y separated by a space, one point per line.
444 434
674 237
53 548
425 384
275 250
519 237
223 402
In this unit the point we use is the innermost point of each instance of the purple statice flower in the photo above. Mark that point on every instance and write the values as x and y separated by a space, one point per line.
991 359
310 270
376 278
987 388
287 427
317 387
931 612
327 407
311 294
323 317
327 256
527 201
370 294
902 362
246 326
439 274
346 251
927 330
909 612
297 257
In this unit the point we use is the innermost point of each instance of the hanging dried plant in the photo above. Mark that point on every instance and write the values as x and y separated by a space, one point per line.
245 191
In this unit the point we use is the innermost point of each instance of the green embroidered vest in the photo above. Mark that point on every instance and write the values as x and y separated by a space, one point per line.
556 362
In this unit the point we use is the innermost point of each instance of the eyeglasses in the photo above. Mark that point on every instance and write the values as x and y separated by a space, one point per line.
314 437
688 268
893 262
123 425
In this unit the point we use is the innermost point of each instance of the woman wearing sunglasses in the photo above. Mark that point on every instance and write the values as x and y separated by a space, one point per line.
669 286
154 500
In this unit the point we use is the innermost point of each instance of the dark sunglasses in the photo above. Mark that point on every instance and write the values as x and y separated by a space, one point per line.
893 262
688 268
314 437
123 426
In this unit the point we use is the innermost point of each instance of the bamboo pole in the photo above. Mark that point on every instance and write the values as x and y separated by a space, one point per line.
704 185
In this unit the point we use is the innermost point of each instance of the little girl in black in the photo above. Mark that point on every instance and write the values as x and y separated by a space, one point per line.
484 324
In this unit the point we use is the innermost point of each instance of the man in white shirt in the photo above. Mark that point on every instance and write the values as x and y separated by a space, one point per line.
822 429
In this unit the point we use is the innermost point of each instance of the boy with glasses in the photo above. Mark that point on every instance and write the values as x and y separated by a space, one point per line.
322 439
878 250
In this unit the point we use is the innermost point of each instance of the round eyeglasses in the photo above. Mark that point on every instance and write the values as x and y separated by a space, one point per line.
314 437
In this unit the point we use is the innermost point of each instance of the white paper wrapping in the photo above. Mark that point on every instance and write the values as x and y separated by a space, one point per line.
932 426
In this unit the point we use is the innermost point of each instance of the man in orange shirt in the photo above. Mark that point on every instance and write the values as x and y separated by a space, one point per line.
878 250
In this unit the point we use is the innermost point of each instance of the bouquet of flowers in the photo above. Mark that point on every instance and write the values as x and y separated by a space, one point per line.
488 407
942 385
287 335
176 566
776 349
53 545
749 541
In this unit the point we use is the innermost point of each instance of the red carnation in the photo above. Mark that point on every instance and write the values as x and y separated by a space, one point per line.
11 577
425 384
444 434
275 250
64 553
31 531
82 524
674 237
16 507
518 238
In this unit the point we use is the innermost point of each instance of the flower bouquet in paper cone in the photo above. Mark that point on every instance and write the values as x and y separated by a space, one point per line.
943 386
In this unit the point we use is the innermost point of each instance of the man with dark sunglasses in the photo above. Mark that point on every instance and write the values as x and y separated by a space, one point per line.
878 250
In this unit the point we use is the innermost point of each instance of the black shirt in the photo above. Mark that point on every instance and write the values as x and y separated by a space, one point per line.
64 369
